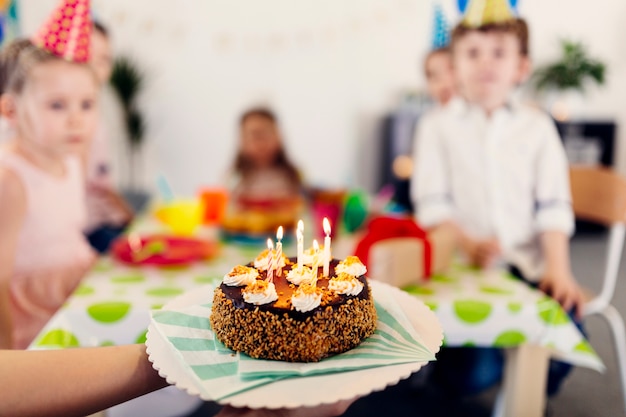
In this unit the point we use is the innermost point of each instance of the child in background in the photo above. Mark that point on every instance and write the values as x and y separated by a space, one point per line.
107 212
262 169
51 103
439 75
495 171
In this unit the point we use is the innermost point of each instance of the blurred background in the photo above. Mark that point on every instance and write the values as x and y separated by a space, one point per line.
333 71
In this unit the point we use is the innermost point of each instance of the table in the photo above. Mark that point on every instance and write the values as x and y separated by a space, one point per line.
487 308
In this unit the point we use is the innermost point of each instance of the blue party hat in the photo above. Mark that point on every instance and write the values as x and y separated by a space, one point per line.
441 30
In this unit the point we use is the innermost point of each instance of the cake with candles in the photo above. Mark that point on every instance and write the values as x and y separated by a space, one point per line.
299 309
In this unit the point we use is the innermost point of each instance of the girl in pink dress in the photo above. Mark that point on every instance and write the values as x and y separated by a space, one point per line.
51 103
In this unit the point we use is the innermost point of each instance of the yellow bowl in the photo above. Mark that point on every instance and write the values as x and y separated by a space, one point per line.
182 217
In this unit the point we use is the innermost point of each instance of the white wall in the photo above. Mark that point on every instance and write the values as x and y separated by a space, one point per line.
331 68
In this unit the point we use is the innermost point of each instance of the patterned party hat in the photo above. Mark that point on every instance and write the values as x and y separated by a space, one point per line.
484 12
441 31
67 33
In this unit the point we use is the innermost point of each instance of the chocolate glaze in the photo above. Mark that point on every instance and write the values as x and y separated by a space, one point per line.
285 289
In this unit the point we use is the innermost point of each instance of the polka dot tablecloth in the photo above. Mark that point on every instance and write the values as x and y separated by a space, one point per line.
493 308
476 308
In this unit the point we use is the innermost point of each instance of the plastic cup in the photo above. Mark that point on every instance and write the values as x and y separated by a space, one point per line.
214 201
181 217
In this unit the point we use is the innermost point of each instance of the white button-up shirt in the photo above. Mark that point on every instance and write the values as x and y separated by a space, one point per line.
504 176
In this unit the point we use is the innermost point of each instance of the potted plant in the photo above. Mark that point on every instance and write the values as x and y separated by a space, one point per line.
564 82
127 80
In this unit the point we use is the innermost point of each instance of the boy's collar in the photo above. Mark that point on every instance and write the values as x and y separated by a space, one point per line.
461 106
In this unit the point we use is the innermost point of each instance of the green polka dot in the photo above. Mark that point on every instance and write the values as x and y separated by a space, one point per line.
108 312
432 305
472 311
443 279
417 290
84 290
514 307
156 306
510 338
584 347
551 313
142 337
495 290
204 280
128 279
107 343
469 344
164 292
59 338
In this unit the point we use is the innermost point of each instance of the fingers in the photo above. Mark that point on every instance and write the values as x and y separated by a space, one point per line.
568 296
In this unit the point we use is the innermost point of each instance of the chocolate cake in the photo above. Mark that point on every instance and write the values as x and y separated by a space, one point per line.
319 317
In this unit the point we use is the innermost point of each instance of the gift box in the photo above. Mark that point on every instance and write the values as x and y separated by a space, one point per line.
397 251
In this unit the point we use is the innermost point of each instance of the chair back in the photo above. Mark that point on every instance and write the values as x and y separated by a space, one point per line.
599 195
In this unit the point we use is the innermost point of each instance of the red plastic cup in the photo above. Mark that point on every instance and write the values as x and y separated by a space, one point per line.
214 201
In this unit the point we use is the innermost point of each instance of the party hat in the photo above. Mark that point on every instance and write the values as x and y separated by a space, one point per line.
67 33
441 31
484 12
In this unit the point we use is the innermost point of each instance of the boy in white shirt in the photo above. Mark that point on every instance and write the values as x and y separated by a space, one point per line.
495 171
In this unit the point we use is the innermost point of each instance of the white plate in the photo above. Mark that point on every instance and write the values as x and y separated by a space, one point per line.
304 391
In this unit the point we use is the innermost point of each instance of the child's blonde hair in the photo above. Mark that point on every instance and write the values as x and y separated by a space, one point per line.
517 27
17 59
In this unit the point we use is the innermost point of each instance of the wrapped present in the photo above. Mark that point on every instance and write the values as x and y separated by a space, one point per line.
399 252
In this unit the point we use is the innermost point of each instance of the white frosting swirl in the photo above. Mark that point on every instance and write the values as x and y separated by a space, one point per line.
351 266
261 262
260 292
306 298
298 276
345 284
240 276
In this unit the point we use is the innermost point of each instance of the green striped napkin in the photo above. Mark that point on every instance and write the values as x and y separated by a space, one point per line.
220 372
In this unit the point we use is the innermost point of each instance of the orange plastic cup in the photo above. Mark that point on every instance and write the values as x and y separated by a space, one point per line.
214 201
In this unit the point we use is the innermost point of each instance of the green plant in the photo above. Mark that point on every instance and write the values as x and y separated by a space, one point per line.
574 68
127 80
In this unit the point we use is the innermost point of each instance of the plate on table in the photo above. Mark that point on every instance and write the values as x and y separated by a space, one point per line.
291 392
162 250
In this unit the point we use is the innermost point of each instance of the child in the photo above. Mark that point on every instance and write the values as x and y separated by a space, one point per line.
51 102
495 170
107 212
262 169
439 75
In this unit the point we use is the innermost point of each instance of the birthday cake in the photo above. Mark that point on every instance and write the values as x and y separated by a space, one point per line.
276 308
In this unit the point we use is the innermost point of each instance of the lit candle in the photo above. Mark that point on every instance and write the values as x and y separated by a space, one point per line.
300 244
326 225
270 260
279 250
316 261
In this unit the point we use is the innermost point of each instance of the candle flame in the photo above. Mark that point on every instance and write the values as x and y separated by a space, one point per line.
326 225
316 246
279 233
299 234
300 225
270 245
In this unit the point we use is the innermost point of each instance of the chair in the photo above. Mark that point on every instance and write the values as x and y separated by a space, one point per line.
599 195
